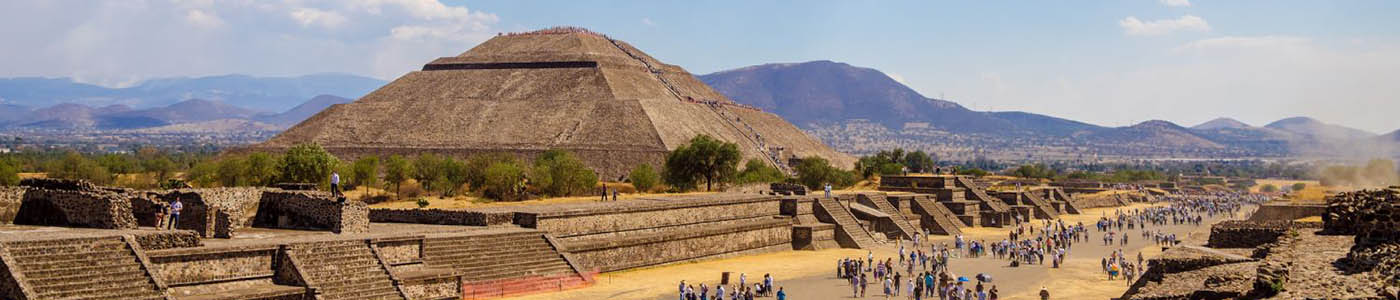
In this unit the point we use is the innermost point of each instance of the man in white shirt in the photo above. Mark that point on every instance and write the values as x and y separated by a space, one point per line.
335 184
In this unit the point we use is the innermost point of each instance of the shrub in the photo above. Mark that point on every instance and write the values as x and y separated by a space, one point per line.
503 181
1268 188
1297 187
814 172
9 174
422 202
75 166
756 171
365 171
396 171
643 178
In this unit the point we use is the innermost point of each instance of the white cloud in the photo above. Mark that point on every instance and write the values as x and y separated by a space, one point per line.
1134 26
116 43
203 19
311 16
1176 3
648 22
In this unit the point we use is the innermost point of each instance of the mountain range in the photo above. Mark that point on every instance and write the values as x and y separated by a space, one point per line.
193 115
254 93
821 96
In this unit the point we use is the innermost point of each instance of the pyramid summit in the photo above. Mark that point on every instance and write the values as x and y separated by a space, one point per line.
559 88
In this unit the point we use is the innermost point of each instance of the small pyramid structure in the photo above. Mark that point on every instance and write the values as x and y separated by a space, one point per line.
559 88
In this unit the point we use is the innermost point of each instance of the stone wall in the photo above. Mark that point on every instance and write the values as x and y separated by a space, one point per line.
10 199
814 237
56 202
669 247
168 239
1248 234
440 216
311 210
432 287
398 251
1279 212
628 216
194 266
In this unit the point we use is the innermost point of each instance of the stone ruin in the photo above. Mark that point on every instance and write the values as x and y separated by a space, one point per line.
1353 254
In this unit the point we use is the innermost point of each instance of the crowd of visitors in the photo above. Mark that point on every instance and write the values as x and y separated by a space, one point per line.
740 291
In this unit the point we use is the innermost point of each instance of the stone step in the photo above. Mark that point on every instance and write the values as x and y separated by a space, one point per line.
501 236
376 291
88 255
79 271
314 259
109 281
355 285
65 249
329 248
484 243
87 278
27 244
535 244
503 263
522 251
96 291
135 294
520 273
332 272
27 265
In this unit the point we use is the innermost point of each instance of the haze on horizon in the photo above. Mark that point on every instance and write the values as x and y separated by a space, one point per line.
1109 63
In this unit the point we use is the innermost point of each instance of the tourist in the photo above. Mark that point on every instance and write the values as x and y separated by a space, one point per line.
719 292
614 192
827 187
992 294
767 283
781 295
335 184
603 193
1044 293
175 208
161 212
682 290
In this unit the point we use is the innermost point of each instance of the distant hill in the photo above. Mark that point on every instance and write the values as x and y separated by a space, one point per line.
822 95
172 118
303 111
255 93
1317 130
1221 123
825 91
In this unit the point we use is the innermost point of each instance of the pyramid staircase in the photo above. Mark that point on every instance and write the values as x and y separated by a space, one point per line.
344 269
503 264
880 202
81 268
943 220
1042 206
846 224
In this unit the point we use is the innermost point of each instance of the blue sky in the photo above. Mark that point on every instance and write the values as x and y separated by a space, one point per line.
1105 62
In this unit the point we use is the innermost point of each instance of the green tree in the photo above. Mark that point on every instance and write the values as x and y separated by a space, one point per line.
160 165
886 162
203 174
232 171
261 169
1268 188
756 171
76 166
365 171
1297 187
643 177
476 166
454 174
118 163
308 163
396 171
504 180
975 172
814 172
428 167
1034 171
703 158
919 161
9 174
560 173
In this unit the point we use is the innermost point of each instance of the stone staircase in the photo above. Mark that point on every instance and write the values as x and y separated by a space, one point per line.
1043 207
344 269
501 257
1069 204
81 268
939 217
846 224
883 204
990 202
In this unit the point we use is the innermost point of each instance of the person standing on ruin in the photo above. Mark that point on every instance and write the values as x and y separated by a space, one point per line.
175 208
603 193
161 212
335 184
827 187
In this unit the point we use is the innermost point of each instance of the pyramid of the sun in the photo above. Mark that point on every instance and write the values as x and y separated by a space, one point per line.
611 104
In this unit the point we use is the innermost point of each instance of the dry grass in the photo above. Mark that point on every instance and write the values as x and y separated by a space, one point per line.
33 175
1313 191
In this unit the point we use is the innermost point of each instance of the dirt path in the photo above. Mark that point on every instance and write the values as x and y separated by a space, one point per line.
811 274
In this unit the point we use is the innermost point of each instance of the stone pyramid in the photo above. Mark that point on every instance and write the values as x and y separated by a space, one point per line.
559 88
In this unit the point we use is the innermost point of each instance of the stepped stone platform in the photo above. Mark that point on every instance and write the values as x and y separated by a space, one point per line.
964 197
